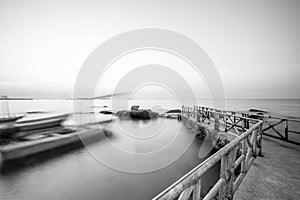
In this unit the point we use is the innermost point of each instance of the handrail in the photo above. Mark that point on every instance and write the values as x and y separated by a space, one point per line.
234 121
254 114
241 117
190 182
205 166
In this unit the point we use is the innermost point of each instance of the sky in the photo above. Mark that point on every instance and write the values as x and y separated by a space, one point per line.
254 45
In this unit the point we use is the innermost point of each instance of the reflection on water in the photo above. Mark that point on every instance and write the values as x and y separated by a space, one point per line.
72 173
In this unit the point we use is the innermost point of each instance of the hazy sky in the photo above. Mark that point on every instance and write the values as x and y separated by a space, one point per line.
255 45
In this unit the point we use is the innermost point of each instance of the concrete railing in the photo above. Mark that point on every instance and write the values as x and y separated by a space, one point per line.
281 124
236 122
233 167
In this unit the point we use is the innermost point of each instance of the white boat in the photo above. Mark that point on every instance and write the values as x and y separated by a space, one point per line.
10 119
6 117
40 123
48 139
27 126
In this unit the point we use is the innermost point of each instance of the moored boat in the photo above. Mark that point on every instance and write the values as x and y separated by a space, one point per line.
172 114
40 123
10 119
49 139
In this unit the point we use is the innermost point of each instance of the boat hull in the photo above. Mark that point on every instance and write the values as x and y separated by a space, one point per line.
10 119
40 125
27 148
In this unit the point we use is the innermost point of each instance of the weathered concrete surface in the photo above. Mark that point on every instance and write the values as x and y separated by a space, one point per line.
202 130
275 176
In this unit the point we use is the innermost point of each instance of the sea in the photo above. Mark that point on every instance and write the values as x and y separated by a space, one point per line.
138 161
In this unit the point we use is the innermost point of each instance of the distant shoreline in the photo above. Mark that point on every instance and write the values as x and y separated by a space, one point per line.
3 99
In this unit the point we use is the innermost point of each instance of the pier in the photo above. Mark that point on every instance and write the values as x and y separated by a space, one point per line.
243 173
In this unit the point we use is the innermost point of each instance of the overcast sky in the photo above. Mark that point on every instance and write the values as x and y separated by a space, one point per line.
254 45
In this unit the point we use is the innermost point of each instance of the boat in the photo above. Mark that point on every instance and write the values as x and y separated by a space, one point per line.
40 123
7 118
51 138
10 119
172 114
27 126
107 112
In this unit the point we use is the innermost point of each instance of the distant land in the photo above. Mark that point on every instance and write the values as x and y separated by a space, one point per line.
15 98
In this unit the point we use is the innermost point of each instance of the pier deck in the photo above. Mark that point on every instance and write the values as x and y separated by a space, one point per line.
274 176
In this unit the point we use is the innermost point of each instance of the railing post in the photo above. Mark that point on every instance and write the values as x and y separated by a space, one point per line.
259 140
254 143
244 152
223 173
286 130
226 123
227 171
217 123
232 158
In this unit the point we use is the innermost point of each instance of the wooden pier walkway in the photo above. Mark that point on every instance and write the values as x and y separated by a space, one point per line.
274 176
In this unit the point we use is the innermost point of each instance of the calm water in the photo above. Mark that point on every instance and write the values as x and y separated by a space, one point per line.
95 172
285 107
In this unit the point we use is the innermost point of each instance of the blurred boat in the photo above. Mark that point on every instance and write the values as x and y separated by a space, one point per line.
6 117
52 138
40 123
172 114
10 119
25 126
